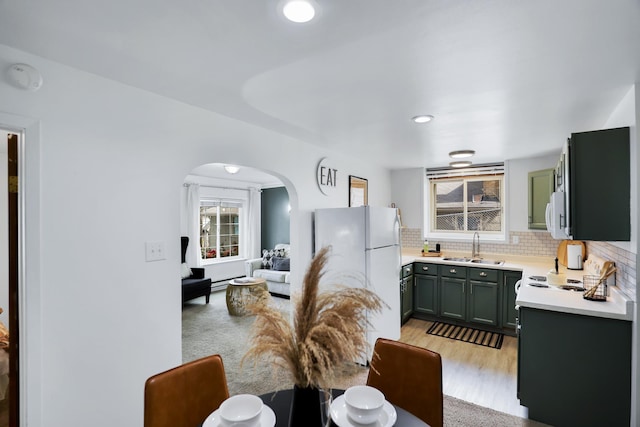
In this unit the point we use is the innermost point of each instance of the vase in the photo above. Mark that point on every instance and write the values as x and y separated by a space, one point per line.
309 407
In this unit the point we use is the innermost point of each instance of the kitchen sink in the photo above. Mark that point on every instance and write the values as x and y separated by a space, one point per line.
474 260
487 261
456 259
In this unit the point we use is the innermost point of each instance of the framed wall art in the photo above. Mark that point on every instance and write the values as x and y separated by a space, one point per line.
358 191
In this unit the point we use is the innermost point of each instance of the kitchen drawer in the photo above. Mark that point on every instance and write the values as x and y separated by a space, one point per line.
484 274
453 271
425 268
407 270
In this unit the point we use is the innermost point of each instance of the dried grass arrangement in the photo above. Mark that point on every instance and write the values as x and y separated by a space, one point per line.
328 332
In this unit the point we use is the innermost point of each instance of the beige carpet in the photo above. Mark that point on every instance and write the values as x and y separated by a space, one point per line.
209 329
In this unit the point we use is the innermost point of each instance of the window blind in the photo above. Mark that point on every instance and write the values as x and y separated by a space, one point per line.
446 172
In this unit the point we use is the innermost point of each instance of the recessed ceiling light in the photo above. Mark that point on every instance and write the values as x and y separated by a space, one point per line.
299 11
231 169
460 164
422 118
461 154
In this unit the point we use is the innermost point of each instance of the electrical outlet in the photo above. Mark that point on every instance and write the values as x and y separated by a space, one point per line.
154 251
515 240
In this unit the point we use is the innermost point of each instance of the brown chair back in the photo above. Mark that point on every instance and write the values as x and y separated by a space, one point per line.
410 377
185 395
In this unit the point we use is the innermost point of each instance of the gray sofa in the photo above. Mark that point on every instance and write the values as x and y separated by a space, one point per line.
272 267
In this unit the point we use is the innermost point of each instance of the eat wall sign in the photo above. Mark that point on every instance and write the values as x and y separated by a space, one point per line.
327 177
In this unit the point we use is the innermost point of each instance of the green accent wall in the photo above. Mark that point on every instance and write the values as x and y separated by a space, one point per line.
274 217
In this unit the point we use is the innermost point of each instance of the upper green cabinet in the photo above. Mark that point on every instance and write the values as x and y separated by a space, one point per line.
599 185
541 184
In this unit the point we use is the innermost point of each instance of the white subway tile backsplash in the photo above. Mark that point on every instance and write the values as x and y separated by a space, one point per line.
533 243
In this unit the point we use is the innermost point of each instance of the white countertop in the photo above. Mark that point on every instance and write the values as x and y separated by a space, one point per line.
618 305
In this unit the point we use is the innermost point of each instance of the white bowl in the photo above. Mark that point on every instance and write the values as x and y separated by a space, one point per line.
364 403
242 410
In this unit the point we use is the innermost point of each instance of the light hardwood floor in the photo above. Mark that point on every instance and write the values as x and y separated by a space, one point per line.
481 375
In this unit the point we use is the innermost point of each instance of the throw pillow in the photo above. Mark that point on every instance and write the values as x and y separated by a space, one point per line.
266 258
268 255
185 271
280 263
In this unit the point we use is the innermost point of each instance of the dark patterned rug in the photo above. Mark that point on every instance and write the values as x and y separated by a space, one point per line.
467 334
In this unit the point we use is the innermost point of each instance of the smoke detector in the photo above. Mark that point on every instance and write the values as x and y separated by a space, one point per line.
24 76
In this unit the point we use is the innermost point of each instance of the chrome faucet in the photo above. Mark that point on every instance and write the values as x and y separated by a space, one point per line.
475 246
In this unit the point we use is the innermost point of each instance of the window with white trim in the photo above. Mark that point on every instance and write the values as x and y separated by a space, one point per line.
220 231
462 202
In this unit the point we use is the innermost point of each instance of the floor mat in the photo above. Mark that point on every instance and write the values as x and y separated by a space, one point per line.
466 334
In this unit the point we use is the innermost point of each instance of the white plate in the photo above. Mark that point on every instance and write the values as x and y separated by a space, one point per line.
339 415
267 418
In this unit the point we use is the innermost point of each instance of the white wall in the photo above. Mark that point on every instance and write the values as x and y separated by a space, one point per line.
407 188
105 164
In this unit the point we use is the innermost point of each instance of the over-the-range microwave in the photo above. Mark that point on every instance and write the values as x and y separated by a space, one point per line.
557 212
556 216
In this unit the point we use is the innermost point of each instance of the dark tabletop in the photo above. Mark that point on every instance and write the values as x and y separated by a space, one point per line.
280 402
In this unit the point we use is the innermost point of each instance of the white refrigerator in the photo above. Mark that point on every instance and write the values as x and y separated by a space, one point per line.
365 252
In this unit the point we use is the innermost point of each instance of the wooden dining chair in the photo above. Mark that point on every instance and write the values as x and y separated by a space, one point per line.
410 377
185 395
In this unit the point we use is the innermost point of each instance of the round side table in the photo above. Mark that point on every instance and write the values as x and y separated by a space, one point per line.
241 292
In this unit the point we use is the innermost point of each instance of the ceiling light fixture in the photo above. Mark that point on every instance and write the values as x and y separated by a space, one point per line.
425 118
299 11
231 169
460 164
461 154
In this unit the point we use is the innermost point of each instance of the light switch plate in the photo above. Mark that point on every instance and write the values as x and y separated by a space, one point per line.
154 251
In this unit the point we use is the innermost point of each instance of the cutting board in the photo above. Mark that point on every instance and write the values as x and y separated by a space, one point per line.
562 250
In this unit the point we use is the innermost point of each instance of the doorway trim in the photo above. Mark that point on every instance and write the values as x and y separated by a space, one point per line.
30 313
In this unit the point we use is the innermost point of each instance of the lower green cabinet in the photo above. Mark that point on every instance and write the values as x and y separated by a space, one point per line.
406 292
426 294
574 370
509 312
483 303
425 299
453 301
475 295
407 298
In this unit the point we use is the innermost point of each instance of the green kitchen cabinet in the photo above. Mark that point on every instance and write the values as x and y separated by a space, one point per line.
483 297
406 292
541 185
426 288
599 185
453 296
574 370
509 312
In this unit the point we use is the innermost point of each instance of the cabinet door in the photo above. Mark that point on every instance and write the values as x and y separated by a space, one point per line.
541 184
453 298
407 298
600 185
509 312
483 302
426 294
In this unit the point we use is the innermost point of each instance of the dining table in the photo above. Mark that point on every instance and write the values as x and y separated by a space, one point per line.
280 403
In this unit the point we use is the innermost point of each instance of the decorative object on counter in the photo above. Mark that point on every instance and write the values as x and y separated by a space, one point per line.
466 334
328 333
596 286
432 253
563 252
554 277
